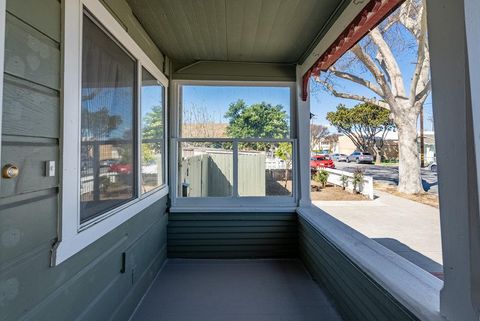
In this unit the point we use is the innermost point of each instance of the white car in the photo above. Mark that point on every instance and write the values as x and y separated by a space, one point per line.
360 157
339 157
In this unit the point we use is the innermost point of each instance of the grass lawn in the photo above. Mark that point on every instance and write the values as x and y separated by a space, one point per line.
388 164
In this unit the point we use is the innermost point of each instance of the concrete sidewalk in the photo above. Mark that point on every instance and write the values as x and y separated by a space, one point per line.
408 228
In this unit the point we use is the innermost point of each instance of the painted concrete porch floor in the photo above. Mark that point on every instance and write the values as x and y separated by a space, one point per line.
235 290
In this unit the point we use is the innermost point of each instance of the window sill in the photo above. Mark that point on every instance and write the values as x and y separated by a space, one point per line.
232 209
413 287
74 241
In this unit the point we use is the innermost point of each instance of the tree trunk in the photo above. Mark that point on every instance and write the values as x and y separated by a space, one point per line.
378 155
378 159
409 162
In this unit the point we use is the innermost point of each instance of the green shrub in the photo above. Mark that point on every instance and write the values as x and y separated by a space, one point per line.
344 179
321 177
357 180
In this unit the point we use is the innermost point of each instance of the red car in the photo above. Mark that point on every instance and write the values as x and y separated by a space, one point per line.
321 161
121 168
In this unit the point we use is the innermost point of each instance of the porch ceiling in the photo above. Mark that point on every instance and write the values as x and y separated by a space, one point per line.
279 31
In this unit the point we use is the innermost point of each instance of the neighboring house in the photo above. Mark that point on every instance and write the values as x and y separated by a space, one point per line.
326 144
345 145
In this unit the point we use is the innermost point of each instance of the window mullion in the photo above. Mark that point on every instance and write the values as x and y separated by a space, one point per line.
235 168
138 115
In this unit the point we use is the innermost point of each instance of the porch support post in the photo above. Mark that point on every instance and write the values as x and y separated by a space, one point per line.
457 136
303 136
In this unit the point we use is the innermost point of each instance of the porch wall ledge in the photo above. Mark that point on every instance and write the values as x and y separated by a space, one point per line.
233 209
416 289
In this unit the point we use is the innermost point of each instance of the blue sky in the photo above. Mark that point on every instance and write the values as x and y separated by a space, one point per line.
404 51
216 99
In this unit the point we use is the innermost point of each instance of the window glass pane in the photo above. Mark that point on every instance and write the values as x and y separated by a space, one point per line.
206 169
265 169
152 112
235 112
107 123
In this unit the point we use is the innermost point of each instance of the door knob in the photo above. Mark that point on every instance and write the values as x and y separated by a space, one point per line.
10 171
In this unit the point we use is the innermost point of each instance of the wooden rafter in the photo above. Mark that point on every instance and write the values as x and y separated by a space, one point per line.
370 16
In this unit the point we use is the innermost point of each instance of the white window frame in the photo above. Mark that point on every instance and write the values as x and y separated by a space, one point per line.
234 202
3 17
74 236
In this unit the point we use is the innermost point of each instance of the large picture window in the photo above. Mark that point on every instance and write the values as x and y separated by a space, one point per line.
235 144
113 140
107 123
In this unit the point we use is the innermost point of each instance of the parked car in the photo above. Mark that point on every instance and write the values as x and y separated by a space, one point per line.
108 162
433 167
321 161
360 157
339 157
121 168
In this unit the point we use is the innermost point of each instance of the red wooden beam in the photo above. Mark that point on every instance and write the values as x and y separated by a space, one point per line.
370 16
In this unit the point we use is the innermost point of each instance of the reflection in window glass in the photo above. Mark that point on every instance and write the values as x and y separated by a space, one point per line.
206 169
235 112
152 112
107 123
265 169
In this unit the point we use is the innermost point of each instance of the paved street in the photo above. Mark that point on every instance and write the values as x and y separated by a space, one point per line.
408 228
389 174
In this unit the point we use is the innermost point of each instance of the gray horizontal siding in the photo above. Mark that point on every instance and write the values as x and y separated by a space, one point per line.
30 109
80 288
29 154
232 235
27 222
35 11
89 286
357 295
31 55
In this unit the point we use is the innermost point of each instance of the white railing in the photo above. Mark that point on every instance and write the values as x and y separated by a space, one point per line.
365 188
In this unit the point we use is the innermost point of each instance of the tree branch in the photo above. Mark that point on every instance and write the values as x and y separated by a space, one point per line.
423 62
410 15
391 64
424 92
348 76
376 72
352 96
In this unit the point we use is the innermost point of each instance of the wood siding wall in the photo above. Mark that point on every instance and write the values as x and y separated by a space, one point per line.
358 297
232 235
90 285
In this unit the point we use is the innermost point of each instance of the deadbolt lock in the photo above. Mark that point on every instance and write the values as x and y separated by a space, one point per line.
10 171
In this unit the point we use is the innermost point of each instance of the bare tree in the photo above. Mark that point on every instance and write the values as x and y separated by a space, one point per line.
375 67
198 121
317 134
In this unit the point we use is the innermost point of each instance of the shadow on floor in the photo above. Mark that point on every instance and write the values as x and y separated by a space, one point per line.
411 255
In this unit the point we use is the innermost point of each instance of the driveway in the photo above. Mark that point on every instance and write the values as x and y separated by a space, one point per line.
408 228
389 174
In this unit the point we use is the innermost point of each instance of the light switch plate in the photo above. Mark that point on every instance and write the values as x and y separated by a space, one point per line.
50 168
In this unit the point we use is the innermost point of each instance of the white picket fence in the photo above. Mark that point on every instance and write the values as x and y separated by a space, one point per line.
366 187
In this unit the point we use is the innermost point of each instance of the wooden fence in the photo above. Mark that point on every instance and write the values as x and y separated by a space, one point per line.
211 174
